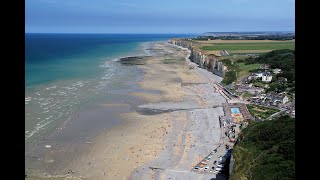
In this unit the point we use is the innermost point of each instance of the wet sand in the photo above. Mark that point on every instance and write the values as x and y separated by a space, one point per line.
173 129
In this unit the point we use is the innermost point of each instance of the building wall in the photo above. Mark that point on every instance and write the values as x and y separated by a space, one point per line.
266 78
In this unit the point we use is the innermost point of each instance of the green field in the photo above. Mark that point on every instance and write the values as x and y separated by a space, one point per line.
250 46
262 112
244 69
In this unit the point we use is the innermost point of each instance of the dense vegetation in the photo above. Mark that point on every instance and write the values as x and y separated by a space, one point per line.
283 59
266 150
231 75
261 112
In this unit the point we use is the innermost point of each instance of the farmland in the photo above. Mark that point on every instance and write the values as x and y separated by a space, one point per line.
246 46
238 47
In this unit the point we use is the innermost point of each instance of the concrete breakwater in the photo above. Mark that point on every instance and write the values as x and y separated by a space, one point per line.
206 61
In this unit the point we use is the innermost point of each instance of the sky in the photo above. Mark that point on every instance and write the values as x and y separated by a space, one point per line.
158 16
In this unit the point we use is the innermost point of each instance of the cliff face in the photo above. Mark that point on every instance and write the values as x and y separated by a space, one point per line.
209 62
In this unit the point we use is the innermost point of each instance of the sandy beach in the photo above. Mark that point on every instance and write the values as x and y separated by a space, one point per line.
173 131
194 122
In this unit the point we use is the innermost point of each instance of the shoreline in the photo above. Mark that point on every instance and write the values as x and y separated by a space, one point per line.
141 137
194 135
127 149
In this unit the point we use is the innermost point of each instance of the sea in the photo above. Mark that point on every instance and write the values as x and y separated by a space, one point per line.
66 74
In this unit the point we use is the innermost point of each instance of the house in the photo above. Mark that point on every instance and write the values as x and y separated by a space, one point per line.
281 99
276 71
257 75
278 98
266 77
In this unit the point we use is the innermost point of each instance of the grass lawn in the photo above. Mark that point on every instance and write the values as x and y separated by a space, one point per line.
244 69
260 111
250 46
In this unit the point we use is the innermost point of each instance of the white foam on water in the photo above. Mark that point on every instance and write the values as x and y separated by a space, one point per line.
69 88
49 117
53 87
61 99
44 104
41 121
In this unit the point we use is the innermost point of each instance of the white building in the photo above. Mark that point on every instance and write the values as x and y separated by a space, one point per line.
266 77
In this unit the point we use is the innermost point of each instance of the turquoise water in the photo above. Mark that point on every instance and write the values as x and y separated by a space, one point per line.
52 57
235 111
66 72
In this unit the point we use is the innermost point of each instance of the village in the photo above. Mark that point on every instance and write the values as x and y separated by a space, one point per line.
254 87
239 110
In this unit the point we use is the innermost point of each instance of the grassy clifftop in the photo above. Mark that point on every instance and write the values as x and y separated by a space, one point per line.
266 150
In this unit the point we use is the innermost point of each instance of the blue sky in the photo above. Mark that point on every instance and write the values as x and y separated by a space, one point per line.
158 16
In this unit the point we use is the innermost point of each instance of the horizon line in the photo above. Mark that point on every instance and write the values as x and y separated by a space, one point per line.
154 33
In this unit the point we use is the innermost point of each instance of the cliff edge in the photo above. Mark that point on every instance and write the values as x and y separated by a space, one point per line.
206 61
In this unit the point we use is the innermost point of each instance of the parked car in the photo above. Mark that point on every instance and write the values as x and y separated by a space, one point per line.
206 168
214 162
208 157
204 162
220 165
222 160
216 171
220 168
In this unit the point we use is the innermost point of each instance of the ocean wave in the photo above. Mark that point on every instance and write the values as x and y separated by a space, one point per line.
53 87
36 129
57 102
69 88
